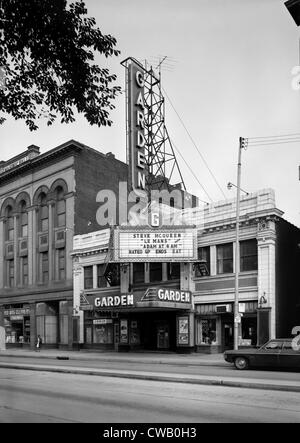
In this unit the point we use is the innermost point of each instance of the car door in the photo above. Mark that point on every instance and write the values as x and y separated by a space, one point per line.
289 357
268 355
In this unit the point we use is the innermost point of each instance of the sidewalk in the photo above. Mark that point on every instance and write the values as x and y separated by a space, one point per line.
128 357
237 380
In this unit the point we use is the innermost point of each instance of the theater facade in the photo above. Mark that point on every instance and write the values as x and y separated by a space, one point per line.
131 304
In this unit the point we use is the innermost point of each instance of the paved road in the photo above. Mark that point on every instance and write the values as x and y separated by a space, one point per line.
226 370
43 397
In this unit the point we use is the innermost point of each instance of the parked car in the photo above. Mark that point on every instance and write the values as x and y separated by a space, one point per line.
277 353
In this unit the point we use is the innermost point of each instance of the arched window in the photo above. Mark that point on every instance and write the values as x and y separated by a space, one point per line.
43 213
9 224
60 208
23 220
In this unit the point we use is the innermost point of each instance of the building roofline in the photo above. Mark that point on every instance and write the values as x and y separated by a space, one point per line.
69 146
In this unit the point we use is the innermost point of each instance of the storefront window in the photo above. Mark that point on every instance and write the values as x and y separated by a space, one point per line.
17 324
225 258
134 333
88 335
103 331
249 331
50 329
47 322
63 322
207 332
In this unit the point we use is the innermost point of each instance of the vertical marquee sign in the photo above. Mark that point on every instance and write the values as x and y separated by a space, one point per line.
136 126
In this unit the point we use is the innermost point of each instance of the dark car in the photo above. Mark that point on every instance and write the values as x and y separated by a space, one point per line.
277 353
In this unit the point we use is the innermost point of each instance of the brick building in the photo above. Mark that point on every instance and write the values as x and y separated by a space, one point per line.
46 199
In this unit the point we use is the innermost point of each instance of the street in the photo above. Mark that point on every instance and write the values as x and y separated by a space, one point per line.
44 397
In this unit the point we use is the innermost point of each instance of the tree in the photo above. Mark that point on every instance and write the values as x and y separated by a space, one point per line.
47 54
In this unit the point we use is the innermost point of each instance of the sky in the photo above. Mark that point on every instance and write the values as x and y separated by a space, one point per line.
228 74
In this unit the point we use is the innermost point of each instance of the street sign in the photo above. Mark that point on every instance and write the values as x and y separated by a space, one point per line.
237 318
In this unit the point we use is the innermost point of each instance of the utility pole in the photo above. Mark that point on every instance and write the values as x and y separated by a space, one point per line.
237 318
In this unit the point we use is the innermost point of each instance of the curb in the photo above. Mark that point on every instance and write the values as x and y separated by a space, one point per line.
157 377
120 360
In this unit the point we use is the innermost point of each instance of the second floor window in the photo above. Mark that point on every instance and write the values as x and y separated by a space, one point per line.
155 272
23 221
24 271
138 273
11 273
101 280
60 209
88 277
44 267
61 268
225 258
248 255
173 271
43 214
203 265
9 224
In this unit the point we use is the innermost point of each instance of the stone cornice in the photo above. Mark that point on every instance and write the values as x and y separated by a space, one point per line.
230 224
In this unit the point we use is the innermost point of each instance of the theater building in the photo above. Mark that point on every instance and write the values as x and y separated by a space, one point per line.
133 305
269 282
46 199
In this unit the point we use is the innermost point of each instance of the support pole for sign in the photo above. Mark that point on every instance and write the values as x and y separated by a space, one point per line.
237 248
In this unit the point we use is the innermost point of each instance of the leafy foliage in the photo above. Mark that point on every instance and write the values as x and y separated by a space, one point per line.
47 53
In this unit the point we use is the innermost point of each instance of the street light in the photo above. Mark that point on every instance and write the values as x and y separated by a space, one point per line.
230 185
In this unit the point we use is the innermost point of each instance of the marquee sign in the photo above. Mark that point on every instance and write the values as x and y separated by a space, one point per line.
136 126
18 312
150 245
153 297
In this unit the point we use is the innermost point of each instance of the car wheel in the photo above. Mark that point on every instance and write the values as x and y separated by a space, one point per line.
241 363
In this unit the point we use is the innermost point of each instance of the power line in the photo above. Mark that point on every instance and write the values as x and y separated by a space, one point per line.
203 159
275 136
274 143
190 169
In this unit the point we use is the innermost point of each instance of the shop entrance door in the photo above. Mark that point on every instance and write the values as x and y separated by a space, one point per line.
163 336
227 335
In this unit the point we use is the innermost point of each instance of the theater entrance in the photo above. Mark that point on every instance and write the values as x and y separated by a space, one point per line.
163 335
